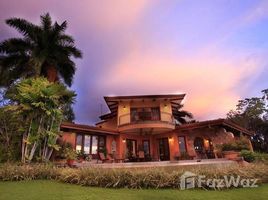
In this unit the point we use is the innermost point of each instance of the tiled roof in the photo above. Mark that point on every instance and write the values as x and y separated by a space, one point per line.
87 128
223 122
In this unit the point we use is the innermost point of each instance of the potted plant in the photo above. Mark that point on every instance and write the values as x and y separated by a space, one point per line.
71 156
81 156
232 150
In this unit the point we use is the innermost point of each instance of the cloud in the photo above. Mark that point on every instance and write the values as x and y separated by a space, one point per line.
155 47
209 80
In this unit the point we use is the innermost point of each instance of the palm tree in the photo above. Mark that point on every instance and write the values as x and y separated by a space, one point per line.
44 50
182 115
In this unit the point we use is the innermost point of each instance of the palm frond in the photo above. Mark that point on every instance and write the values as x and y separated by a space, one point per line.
46 21
15 45
23 26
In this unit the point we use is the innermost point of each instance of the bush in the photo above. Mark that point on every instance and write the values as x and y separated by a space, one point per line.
13 172
248 156
157 177
238 145
261 157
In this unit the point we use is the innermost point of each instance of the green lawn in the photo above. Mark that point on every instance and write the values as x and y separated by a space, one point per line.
44 190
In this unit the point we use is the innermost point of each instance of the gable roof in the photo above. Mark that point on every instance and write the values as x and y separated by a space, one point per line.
216 122
112 102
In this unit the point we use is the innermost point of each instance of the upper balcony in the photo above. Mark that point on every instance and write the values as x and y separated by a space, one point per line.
153 122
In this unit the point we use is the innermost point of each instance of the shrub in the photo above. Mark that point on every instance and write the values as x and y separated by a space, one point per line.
261 157
13 172
248 156
238 145
156 177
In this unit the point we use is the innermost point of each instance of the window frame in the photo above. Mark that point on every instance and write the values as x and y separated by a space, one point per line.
185 143
90 148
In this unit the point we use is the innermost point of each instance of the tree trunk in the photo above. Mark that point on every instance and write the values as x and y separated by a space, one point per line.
32 152
51 73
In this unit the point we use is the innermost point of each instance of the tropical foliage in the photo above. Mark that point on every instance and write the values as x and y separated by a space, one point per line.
182 116
40 103
237 145
11 129
252 113
44 50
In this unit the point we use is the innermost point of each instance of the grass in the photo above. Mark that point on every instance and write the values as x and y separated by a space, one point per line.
43 190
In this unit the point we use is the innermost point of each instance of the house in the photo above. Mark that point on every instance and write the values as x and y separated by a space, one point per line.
143 127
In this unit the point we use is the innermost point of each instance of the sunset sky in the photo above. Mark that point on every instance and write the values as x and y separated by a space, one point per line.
215 51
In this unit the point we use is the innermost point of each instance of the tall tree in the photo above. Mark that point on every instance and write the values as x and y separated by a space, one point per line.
43 50
41 104
252 114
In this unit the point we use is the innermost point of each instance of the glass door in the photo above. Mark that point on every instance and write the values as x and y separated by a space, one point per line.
131 149
164 149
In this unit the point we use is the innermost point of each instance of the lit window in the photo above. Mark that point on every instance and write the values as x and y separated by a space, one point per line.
87 144
79 142
94 145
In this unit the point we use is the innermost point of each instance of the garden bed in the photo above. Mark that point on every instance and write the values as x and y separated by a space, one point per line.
153 177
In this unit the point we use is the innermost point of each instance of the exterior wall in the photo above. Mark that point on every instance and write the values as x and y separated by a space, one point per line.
123 116
69 137
109 124
165 110
216 135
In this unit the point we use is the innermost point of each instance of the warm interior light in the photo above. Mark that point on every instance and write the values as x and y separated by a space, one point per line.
78 147
170 139
124 140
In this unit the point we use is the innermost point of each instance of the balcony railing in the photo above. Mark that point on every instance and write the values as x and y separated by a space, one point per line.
146 117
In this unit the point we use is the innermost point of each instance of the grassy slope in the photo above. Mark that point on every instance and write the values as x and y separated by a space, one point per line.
44 190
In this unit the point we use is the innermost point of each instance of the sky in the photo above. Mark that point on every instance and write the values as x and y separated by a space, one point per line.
215 51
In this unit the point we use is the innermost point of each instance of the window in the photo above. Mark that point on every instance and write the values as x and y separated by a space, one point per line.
79 142
101 143
94 147
90 144
145 114
182 144
87 141
146 147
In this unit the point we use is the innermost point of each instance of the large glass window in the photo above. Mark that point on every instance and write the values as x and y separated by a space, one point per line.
87 144
79 142
94 147
90 144
182 144
101 143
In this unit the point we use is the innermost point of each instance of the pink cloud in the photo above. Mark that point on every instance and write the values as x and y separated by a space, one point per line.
209 80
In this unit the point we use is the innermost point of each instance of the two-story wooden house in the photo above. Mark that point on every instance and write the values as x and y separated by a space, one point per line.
144 127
